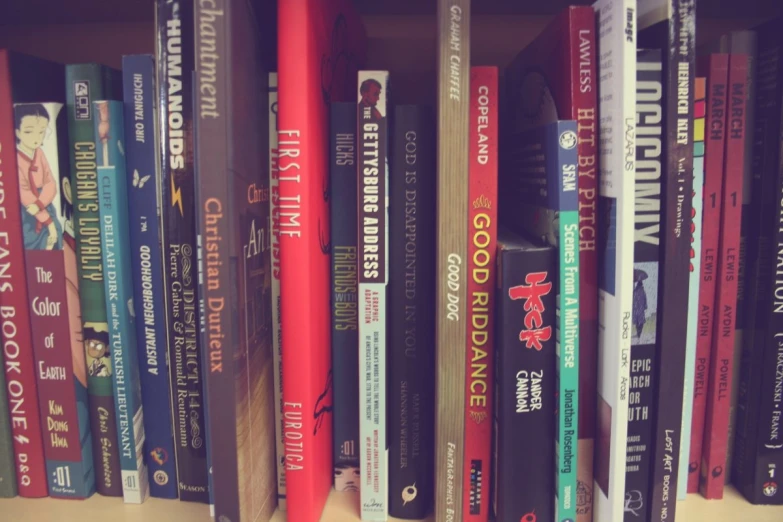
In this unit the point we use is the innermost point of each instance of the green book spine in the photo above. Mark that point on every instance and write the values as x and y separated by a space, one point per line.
85 83
7 473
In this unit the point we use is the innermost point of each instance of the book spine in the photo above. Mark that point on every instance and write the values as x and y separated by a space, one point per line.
176 62
61 376
411 310
563 177
699 130
745 42
451 295
763 482
750 474
645 343
717 85
482 238
19 364
146 255
617 106
118 285
8 487
83 84
345 296
676 185
525 385
719 391
217 220
373 243
583 63
277 344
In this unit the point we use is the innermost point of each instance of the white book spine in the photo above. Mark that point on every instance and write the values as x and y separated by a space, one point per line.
277 349
373 188
617 151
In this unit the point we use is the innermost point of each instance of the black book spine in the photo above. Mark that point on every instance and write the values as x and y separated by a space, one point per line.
176 63
526 383
675 37
345 304
646 264
758 448
411 313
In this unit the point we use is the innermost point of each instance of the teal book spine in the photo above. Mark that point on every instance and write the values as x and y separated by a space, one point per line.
7 470
539 198
564 205
118 284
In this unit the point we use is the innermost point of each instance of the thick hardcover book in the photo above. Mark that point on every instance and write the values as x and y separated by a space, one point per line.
539 198
647 269
716 424
670 25
482 237
616 20
323 40
42 165
8 487
556 75
697 203
231 146
175 61
758 455
118 284
143 174
345 295
411 312
372 153
22 79
231 109
525 380
716 68
277 338
85 83
451 269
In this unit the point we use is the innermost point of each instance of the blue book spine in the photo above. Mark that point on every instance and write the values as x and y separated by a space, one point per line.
118 284
144 199
562 193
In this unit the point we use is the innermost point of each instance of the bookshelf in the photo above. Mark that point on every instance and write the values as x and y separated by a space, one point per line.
342 507
401 39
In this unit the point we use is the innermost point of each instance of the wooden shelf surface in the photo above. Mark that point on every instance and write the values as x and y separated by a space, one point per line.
342 507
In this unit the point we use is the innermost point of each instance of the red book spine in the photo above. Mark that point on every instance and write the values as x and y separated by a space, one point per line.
482 230
717 84
719 391
584 110
320 47
15 312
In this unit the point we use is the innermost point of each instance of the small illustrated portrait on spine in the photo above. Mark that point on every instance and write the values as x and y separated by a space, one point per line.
370 92
38 185
346 476
96 346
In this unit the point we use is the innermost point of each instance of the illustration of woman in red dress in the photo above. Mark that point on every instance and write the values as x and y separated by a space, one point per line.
37 185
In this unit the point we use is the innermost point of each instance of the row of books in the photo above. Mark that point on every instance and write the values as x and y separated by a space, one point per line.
462 312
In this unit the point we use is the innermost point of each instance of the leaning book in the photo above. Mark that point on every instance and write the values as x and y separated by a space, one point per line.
142 174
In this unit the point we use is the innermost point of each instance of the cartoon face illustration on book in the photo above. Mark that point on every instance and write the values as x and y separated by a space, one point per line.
96 344
38 183
346 476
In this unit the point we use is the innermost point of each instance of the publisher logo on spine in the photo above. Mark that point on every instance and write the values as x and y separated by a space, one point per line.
568 140
161 478
81 101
